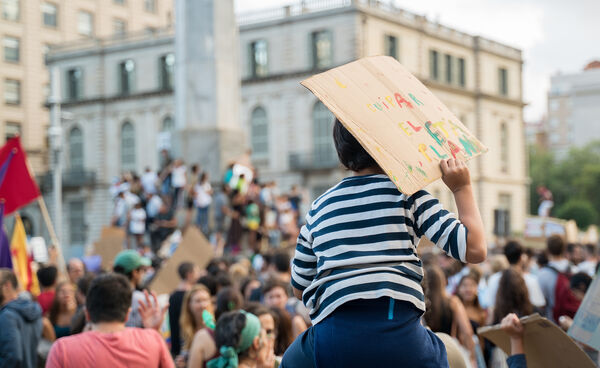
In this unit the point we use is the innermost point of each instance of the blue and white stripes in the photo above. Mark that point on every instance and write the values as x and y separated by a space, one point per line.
359 242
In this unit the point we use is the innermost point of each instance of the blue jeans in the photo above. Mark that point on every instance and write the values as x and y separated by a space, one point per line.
368 333
202 220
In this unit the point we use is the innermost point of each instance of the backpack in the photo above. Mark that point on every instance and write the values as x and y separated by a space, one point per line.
565 302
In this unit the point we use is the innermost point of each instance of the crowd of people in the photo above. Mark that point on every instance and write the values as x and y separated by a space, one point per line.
345 286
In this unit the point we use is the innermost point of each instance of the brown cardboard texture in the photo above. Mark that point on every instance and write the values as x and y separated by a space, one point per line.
109 245
546 345
193 248
402 125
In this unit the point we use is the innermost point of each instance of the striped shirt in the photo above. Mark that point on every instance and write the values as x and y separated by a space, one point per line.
360 242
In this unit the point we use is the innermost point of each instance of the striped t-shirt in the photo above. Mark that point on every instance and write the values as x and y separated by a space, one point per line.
360 242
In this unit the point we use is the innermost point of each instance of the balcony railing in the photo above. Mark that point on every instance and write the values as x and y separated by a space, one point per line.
313 161
72 178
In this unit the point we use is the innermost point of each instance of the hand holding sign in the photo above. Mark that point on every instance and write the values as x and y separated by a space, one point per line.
402 125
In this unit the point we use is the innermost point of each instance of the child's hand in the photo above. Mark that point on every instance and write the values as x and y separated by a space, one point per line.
512 325
455 174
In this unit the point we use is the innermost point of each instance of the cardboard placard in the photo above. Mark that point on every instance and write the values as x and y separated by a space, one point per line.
586 324
546 344
193 248
109 245
400 123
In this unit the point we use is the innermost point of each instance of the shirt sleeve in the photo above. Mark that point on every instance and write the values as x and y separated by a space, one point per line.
166 361
441 227
10 342
304 265
54 359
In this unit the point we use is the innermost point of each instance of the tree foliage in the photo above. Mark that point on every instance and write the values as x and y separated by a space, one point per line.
573 180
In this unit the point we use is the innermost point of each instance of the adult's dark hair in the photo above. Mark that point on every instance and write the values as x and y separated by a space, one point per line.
471 276
512 296
513 250
121 271
83 284
223 280
580 281
184 269
109 298
556 245
47 276
244 284
284 336
281 261
56 303
228 299
257 309
542 259
590 249
228 331
351 154
273 283
438 309
210 282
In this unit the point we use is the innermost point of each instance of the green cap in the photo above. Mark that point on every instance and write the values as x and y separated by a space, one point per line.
131 260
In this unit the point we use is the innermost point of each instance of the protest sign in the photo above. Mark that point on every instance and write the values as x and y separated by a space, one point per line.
586 324
400 123
109 245
545 344
193 248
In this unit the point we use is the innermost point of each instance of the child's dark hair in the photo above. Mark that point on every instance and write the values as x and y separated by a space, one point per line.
351 154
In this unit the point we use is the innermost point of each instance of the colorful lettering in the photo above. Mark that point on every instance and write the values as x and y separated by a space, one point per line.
400 100
415 128
468 145
440 125
401 125
390 100
434 134
340 84
412 97
423 150
441 157
378 106
384 104
421 171
454 149
371 107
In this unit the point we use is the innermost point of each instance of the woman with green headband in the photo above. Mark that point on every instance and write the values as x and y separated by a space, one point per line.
242 342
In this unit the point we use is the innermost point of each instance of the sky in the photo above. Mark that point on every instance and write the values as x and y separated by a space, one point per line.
556 36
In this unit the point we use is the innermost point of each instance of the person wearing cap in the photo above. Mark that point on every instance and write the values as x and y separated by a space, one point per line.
242 342
133 266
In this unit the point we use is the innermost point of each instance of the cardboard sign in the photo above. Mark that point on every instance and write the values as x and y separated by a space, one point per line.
193 248
546 344
586 325
400 123
109 245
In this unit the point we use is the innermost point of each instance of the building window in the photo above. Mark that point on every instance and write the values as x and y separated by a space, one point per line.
120 2
461 72
259 58
12 92
127 147
259 132
76 222
75 83
12 48
503 147
11 10
434 68
449 69
322 53
119 27
76 149
150 5
126 76
12 130
391 46
323 148
50 15
167 68
502 81
85 23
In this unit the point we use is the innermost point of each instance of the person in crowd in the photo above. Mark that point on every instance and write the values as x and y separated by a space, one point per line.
467 293
47 277
178 182
575 253
220 214
20 325
63 309
75 270
188 275
203 200
242 342
275 294
191 181
252 216
281 266
513 327
79 321
149 181
197 325
512 296
284 336
569 304
267 322
248 286
137 224
515 255
119 216
228 299
370 304
164 225
110 343
235 232
548 275
590 263
133 266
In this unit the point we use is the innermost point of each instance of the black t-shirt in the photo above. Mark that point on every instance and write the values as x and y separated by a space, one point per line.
175 302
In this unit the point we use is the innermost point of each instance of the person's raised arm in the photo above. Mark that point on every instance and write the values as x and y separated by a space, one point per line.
513 327
455 175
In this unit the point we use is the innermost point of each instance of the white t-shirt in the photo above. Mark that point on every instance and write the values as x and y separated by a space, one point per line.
149 180
536 296
153 206
137 221
203 197
178 178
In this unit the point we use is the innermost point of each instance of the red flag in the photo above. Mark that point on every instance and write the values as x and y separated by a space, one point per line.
18 187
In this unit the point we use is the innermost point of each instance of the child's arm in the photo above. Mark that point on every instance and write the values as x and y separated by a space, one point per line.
455 175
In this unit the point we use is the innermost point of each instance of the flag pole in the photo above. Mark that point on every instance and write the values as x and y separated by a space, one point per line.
52 233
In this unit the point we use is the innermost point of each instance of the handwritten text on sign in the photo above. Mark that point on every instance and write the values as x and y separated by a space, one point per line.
396 118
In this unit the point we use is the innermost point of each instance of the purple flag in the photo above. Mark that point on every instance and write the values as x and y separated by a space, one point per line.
5 257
